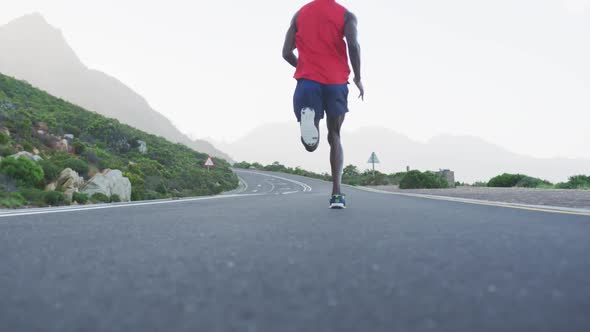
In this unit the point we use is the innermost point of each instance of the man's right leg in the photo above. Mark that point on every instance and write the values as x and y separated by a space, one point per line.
309 110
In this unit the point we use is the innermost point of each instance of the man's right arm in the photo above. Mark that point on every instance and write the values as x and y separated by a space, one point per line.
354 50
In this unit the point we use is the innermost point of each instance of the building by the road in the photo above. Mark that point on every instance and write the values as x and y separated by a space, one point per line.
448 175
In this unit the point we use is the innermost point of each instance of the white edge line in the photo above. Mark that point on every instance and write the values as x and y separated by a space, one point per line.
539 208
303 185
114 206
245 185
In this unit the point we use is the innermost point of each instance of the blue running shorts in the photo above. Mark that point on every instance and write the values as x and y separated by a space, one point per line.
331 99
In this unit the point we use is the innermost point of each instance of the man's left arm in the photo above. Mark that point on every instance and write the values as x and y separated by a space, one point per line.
289 46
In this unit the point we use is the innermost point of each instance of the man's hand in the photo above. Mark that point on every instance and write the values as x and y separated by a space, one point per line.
359 85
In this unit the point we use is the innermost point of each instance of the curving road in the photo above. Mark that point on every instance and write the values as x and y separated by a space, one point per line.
271 256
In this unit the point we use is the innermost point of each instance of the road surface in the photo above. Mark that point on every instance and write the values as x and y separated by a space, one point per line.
272 257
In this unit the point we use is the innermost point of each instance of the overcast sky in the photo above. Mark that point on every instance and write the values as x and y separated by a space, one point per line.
513 72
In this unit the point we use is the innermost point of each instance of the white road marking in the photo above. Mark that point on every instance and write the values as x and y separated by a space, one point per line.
538 208
272 186
290 192
305 187
113 206
245 186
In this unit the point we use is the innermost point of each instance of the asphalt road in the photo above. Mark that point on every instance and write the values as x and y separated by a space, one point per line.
273 257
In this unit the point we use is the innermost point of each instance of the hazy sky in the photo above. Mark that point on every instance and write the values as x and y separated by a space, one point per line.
514 72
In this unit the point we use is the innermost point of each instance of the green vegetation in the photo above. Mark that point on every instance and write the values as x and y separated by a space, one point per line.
420 180
352 176
4 139
507 180
54 198
50 170
80 198
78 165
33 196
99 198
11 200
24 171
37 120
575 182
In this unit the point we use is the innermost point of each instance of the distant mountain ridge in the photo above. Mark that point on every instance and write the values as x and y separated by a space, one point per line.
473 159
34 51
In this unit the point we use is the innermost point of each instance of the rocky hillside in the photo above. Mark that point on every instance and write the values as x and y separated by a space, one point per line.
34 51
54 152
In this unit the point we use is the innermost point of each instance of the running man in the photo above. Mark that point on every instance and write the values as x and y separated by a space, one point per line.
317 31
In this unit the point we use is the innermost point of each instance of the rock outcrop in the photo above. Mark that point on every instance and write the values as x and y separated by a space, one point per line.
70 182
109 182
28 155
142 147
5 131
62 145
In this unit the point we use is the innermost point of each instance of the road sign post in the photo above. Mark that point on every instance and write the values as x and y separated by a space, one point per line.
373 159
209 163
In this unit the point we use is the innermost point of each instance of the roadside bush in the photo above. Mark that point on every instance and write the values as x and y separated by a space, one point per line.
530 182
4 139
23 170
99 198
33 196
28 146
6 151
243 164
370 178
275 167
506 180
80 198
12 200
351 175
77 165
151 195
115 198
54 198
50 170
137 186
79 147
418 180
575 182
397 178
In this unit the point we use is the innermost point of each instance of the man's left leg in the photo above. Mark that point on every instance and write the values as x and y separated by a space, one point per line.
336 152
336 101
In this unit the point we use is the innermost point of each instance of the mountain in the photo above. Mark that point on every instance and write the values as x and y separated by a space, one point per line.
34 51
471 158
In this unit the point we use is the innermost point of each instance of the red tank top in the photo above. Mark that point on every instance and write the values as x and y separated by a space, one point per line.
320 43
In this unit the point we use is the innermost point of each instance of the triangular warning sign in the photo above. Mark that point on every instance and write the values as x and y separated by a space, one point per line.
209 162
373 159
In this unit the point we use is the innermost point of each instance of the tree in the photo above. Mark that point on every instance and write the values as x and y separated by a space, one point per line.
350 171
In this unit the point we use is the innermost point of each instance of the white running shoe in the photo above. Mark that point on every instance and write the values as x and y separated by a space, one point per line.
309 133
